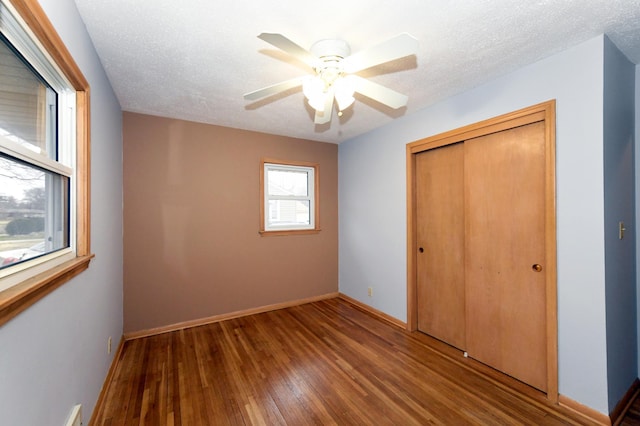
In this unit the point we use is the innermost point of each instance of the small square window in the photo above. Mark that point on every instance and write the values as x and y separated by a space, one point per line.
289 197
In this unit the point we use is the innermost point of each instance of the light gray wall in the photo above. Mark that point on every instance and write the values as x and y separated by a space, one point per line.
372 200
54 355
619 203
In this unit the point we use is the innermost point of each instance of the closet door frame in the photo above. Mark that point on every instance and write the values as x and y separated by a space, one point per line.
543 112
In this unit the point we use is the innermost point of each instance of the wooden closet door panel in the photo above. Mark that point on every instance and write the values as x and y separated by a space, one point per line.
440 233
504 221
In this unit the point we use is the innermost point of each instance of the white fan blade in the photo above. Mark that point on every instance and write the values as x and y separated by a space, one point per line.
394 48
323 117
283 43
379 93
273 89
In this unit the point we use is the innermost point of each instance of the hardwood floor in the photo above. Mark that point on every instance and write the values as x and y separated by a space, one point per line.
323 363
632 417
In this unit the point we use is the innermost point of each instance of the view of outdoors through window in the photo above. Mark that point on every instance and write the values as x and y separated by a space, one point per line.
288 197
32 213
34 195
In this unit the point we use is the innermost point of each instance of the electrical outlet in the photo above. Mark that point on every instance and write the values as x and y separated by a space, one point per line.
109 345
370 291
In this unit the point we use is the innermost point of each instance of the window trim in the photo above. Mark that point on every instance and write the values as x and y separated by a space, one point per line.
20 296
316 195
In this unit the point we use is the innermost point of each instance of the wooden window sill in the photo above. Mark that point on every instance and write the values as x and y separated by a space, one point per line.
19 297
289 232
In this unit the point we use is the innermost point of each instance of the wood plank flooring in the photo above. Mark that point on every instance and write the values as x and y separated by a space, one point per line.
323 363
632 417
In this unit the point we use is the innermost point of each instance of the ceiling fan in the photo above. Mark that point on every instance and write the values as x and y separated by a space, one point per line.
335 70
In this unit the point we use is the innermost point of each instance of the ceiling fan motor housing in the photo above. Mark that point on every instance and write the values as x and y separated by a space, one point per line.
330 52
331 48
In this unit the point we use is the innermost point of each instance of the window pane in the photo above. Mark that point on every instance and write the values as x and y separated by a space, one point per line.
285 182
34 207
28 106
288 212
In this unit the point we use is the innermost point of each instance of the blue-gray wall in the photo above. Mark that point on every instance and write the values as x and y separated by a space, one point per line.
54 355
619 206
372 200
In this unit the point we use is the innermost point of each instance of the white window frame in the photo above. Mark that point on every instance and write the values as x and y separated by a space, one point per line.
28 29
312 170
33 53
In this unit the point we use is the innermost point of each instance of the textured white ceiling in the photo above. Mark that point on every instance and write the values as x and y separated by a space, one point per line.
194 59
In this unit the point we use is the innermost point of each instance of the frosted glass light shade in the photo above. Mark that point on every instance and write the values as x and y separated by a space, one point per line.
344 90
314 90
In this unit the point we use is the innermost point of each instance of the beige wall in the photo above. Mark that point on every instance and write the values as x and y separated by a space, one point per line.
191 219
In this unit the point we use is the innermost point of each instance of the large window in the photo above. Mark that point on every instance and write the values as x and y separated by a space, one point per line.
44 143
289 197
35 166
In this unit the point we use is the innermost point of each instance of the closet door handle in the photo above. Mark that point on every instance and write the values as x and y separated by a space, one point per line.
536 267
421 250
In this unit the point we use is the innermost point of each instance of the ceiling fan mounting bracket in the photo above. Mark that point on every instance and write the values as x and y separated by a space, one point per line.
331 48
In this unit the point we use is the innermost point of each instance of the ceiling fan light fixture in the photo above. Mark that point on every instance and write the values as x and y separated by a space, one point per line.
317 102
344 102
314 89
344 90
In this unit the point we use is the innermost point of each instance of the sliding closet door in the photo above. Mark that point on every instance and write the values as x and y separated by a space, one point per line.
504 256
440 237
